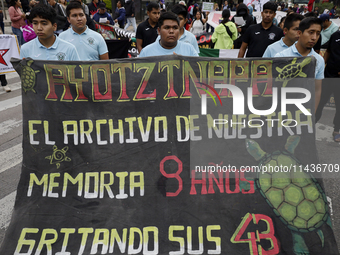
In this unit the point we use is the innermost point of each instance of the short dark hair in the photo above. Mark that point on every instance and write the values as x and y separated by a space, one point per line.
43 11
73 5
270 6
180 10
152 5
307 22
121 2
290 19
311 14
166 16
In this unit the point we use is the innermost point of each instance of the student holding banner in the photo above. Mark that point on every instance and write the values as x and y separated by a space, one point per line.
90 44
47 46
309 33
168 44
291 28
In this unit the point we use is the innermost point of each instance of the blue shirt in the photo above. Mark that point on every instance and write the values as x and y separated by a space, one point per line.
97 16
90 44
155 49
60 50
187 37
274 48
320 63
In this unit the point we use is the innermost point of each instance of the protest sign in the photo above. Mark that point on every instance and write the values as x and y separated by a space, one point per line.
207 6
134 157
9 48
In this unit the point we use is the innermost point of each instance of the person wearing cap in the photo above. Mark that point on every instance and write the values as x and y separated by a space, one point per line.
259 36
242 12
103 15
182 3
309 33
90 44
329 28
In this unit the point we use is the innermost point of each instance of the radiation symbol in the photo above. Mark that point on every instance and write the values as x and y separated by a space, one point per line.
58 156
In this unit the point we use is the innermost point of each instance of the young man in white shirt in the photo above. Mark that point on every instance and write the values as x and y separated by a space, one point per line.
90 44
47 46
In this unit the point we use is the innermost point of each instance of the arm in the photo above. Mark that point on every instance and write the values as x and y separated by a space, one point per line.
13 14
110 19
214 37
326 56
139 45
318 88
105 56
234 31
242 50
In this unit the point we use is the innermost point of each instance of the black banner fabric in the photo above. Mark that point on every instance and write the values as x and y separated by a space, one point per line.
134 157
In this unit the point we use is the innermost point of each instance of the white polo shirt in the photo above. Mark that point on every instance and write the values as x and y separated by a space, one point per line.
274 48
90 44
60 50
320 63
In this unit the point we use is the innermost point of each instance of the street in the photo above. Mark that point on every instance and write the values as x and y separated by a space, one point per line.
11 154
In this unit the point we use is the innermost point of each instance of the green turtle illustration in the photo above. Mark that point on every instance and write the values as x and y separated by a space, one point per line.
58 156
291 71
296 197
28 77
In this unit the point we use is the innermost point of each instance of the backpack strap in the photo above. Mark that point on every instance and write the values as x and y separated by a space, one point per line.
228 30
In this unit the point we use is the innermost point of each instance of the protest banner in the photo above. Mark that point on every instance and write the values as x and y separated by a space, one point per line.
9 48
118 49
169 155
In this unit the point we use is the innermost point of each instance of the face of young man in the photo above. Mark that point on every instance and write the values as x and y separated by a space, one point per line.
77 19
102 11
43 28
52 2
293 33
154 15
310 36
169 33
182 21
268 16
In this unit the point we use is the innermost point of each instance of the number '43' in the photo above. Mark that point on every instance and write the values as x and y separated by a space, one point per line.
255 237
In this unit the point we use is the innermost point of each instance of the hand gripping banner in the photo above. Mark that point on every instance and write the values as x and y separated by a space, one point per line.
169 155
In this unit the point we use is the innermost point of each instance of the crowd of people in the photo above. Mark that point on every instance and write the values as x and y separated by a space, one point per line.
69 34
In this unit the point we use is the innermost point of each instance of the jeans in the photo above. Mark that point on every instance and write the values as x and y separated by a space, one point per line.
19 35
131 21
3 79
2 26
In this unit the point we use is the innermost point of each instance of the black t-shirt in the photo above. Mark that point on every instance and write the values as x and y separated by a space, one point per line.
317 46
147 33
333 67
259 39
